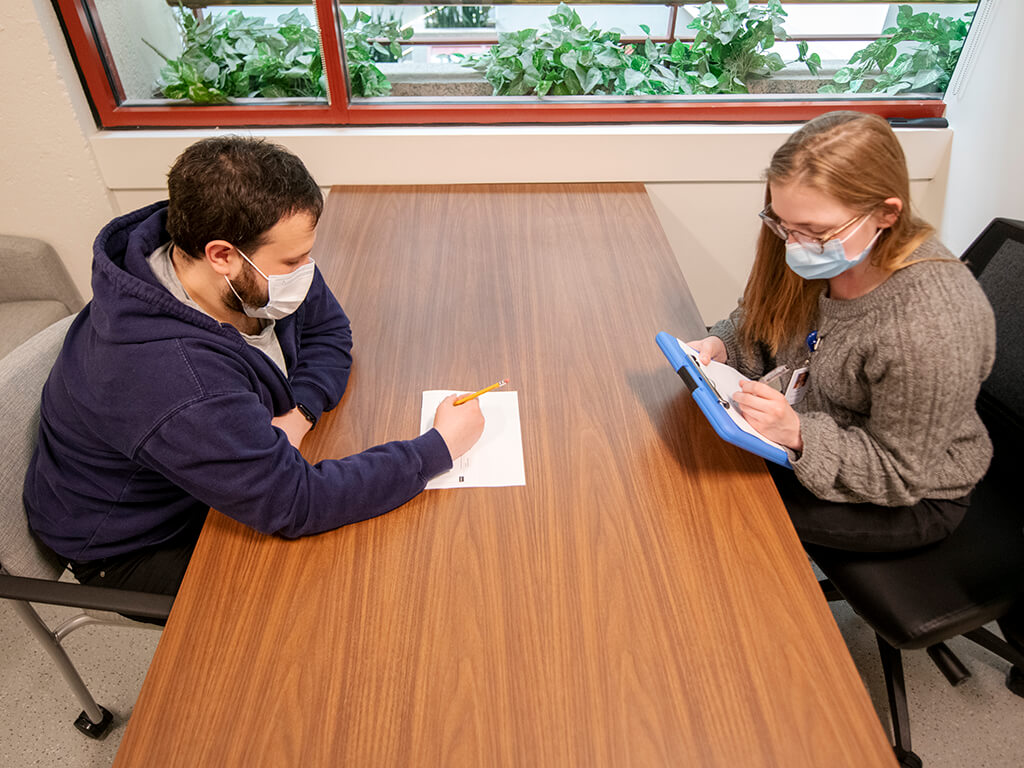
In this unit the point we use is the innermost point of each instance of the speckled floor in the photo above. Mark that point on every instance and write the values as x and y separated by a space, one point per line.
979 724
38 709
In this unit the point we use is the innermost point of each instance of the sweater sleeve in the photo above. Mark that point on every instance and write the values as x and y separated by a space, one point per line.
323 350
751 363
922 391
222 450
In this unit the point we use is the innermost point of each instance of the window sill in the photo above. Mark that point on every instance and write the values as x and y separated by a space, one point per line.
700 152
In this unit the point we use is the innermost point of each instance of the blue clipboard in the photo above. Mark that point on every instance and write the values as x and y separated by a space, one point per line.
710 404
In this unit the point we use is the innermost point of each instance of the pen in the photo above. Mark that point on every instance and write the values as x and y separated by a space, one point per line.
467 398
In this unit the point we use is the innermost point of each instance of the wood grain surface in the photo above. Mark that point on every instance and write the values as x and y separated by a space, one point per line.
642 601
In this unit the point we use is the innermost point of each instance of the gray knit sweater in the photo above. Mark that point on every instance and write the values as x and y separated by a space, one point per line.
889 413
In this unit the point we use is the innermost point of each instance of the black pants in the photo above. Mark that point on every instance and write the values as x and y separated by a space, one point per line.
158 569
866 527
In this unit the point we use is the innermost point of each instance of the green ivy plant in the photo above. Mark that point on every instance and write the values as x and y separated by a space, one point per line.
926 67
226 56
731 47
382 25
568 59
232 55
362 35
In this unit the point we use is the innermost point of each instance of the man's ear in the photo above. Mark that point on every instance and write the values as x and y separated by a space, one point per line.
223 258
889 212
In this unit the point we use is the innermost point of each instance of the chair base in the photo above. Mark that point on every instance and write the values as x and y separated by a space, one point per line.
95 730
1015 681
910 760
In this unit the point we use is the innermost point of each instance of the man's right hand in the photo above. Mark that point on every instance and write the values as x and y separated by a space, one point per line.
710 348
459 425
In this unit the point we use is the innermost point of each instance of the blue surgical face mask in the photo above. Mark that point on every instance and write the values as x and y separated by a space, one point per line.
285 292
832 261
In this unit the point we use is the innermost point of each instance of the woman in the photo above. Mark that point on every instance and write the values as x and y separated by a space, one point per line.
852 296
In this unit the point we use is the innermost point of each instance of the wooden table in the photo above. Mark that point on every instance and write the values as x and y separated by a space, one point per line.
643 600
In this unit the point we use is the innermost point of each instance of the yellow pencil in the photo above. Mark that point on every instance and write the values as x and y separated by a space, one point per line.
467 398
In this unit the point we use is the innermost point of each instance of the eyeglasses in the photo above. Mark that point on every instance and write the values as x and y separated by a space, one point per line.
817 244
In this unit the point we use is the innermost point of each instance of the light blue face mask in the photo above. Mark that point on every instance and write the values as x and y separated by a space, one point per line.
832 260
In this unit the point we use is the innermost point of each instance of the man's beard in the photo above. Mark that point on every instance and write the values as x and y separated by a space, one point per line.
251 291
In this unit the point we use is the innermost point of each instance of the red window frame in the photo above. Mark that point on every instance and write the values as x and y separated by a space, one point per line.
88 47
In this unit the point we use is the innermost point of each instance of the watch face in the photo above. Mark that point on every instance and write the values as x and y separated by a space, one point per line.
306 412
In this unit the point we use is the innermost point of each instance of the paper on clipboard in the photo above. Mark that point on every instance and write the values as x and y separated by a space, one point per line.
497 458
726 381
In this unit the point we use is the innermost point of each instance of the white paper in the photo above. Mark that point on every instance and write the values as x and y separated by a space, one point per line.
497 458
727 381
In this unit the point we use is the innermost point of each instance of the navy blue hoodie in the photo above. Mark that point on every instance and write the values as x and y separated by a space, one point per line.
155 412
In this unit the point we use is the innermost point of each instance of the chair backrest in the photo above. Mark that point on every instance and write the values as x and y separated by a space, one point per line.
22 375
30 269
997 259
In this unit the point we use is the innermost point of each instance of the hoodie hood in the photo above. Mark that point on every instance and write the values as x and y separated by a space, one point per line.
125 290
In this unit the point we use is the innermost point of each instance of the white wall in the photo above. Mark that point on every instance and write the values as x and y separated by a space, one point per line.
62 180
986 170
50 185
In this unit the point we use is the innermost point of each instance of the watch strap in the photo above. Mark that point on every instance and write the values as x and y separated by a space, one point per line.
307 413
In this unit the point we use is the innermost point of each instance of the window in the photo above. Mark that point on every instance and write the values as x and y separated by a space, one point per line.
272 62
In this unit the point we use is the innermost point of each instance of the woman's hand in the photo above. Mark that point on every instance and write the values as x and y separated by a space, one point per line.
710 348
768 412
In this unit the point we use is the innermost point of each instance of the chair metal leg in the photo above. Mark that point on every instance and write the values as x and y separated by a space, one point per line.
829 590
991 642
1012 626
948 664
94 719
892 667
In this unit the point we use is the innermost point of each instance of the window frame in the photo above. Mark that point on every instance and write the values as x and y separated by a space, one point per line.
87 45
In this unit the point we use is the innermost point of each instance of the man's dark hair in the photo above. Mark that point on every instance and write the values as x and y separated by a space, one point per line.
235 188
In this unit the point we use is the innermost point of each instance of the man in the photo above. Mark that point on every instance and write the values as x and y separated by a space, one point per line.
210 347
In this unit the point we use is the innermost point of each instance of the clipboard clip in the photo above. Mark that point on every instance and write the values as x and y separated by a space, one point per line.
724 402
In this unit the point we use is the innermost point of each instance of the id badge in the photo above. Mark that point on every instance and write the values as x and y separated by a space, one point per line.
776 378
797 385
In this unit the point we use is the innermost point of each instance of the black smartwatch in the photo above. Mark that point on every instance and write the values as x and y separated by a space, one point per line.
307 413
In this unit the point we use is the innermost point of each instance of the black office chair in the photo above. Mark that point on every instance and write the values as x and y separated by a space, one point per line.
28 571
921 598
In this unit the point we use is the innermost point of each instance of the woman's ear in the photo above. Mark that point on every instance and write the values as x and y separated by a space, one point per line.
888 213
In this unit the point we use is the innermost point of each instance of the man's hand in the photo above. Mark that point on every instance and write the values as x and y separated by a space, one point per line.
710 348
459 425
770 414
293 424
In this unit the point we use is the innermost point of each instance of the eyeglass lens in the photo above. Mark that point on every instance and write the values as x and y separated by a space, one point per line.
783 233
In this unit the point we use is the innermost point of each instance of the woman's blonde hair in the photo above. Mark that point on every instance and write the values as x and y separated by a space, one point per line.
854 158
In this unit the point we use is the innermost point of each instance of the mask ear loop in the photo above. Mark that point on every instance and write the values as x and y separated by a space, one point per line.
228 280
849 234
251 264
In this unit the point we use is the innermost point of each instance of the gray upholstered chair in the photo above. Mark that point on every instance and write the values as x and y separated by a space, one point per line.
28 571
35 289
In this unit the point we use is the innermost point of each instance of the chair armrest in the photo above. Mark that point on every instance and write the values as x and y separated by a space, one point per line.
122 601
30 270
